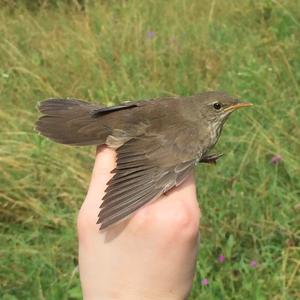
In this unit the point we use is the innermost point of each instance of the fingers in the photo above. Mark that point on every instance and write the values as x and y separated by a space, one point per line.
88 214
184 211
104 164
176 212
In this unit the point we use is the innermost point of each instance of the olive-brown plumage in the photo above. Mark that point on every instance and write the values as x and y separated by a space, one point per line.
158 141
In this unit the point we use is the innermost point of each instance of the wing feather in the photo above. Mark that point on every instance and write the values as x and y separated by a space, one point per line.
128 210
144 171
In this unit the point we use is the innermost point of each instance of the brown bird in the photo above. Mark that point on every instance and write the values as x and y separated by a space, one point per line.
158 141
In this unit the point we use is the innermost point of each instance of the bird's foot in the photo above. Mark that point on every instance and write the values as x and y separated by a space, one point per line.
211 159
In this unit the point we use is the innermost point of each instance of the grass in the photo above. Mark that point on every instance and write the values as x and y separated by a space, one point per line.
105 53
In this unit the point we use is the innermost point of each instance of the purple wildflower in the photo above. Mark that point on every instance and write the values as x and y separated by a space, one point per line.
150 34
276 159
253 264
221 259
205 281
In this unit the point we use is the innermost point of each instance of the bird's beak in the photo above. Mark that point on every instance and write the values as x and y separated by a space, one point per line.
237 105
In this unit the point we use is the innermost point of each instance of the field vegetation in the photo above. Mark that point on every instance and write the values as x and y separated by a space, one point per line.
111 51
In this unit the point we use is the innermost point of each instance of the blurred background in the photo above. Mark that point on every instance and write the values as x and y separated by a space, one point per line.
111 51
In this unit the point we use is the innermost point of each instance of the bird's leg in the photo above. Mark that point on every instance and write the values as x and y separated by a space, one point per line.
211 158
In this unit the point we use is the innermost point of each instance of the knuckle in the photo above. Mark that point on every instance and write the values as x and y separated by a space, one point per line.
180 222
185 221
141 220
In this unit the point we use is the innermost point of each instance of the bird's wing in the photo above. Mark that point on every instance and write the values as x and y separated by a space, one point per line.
147 166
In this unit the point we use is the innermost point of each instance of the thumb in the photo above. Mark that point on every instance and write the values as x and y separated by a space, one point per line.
88 213
104 164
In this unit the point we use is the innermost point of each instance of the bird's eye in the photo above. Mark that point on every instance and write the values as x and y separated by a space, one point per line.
217 105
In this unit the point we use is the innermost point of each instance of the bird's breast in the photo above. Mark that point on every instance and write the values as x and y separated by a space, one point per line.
214 133
207 139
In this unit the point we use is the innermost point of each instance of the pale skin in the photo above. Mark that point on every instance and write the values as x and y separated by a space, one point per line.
149 256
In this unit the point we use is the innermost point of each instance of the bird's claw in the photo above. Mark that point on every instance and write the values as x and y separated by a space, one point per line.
211 159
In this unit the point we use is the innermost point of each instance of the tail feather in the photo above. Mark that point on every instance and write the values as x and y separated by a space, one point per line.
71 122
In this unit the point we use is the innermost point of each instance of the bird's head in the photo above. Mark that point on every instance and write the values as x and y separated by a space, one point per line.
217 106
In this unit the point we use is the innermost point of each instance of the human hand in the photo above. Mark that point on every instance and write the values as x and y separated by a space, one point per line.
151 255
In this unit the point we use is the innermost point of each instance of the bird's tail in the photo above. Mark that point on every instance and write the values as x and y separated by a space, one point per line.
71 122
